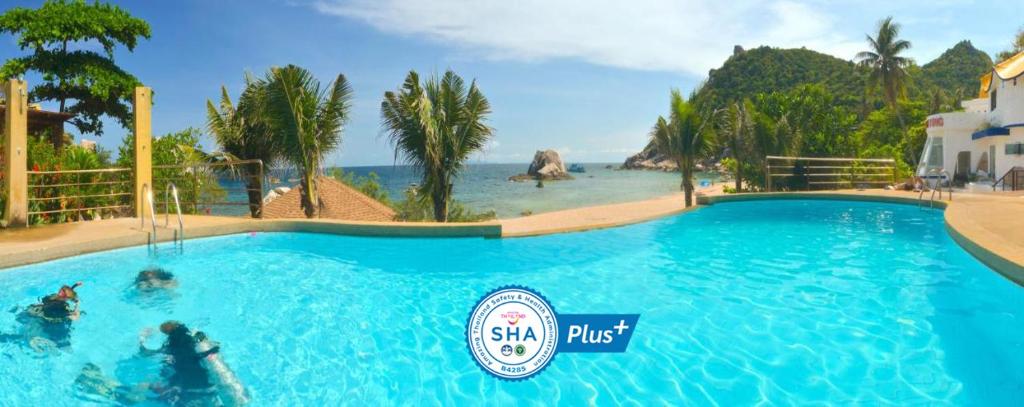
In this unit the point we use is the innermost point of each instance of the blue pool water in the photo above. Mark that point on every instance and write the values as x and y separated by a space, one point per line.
788 301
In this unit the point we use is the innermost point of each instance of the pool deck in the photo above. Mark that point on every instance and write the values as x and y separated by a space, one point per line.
990 226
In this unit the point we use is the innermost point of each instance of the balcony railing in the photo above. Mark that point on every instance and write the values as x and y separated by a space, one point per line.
59 196
796 173
232 187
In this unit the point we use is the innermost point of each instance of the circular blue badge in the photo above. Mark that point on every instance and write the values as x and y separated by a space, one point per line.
512 333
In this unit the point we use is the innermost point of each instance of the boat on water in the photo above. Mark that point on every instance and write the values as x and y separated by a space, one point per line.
577 168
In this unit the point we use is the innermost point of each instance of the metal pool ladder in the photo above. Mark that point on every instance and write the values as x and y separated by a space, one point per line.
940 174
179 234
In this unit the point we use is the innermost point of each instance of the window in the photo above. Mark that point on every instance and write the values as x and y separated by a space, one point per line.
1014 148
992 101
935 153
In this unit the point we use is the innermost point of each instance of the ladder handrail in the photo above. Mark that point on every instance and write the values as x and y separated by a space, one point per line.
148 197
1002 180
173 191
937 187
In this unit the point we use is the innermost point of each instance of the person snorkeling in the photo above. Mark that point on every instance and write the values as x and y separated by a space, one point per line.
153 278
48 322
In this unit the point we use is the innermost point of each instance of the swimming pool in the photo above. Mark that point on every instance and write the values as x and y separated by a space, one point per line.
793 301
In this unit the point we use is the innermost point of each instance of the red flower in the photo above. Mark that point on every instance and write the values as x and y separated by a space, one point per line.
35 167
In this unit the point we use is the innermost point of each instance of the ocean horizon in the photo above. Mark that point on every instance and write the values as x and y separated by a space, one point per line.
485 187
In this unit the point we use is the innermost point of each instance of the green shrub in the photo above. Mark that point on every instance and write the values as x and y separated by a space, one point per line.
415 208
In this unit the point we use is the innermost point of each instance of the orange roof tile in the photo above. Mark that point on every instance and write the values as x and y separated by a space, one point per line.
339 201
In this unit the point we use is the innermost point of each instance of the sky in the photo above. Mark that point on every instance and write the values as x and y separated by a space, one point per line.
586 78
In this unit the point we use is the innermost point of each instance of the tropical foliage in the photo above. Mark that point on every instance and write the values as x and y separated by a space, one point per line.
685 137
243 132
1016 46
307 121
414 209
887 65
765 69
178 158
368 185
80 190
83 82
799 102
435 126
956 73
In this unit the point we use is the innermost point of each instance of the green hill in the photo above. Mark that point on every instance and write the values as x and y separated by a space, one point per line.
958 67
766 69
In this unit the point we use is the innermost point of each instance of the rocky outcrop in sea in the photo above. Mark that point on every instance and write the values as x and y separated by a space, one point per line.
649 159
547 165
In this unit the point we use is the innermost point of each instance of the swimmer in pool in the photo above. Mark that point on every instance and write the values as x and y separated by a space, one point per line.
154 278
187 379
48 322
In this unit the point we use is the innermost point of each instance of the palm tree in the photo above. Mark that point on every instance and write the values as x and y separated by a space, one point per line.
435 127
888 68
307 122
684 138
737 127
244 133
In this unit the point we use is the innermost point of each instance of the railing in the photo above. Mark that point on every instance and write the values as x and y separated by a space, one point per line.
1016 179
71 195
937 174
827 173
172 190
201 190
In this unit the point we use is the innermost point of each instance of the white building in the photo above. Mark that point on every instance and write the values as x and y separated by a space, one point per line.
986 139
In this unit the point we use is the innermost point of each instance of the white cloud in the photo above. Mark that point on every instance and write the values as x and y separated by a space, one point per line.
689 36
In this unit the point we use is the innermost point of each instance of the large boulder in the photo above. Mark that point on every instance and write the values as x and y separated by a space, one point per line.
649 159
547 165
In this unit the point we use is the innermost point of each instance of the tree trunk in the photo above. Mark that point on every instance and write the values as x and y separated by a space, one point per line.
61 97
253 185
440 199
310 199
686 168
739 181
688 187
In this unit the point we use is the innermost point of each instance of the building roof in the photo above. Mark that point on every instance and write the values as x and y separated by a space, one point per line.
39 120
339 201
1010 68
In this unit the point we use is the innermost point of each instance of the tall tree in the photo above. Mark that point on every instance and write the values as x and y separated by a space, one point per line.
436 126
685 137
244 133
736 130
83 82
307 122
888 67
1016 47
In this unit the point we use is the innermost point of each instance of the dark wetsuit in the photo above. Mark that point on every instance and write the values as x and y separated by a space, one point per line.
188 380
49 319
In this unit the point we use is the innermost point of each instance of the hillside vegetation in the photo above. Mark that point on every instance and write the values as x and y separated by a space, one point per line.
771 101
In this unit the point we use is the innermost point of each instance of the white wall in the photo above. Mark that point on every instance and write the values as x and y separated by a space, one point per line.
956 133
1009 101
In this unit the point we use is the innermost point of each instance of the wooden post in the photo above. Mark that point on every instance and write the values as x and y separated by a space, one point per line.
142 128
16 153
767 175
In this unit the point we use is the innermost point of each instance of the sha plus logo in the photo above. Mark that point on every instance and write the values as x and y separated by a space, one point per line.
513 332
